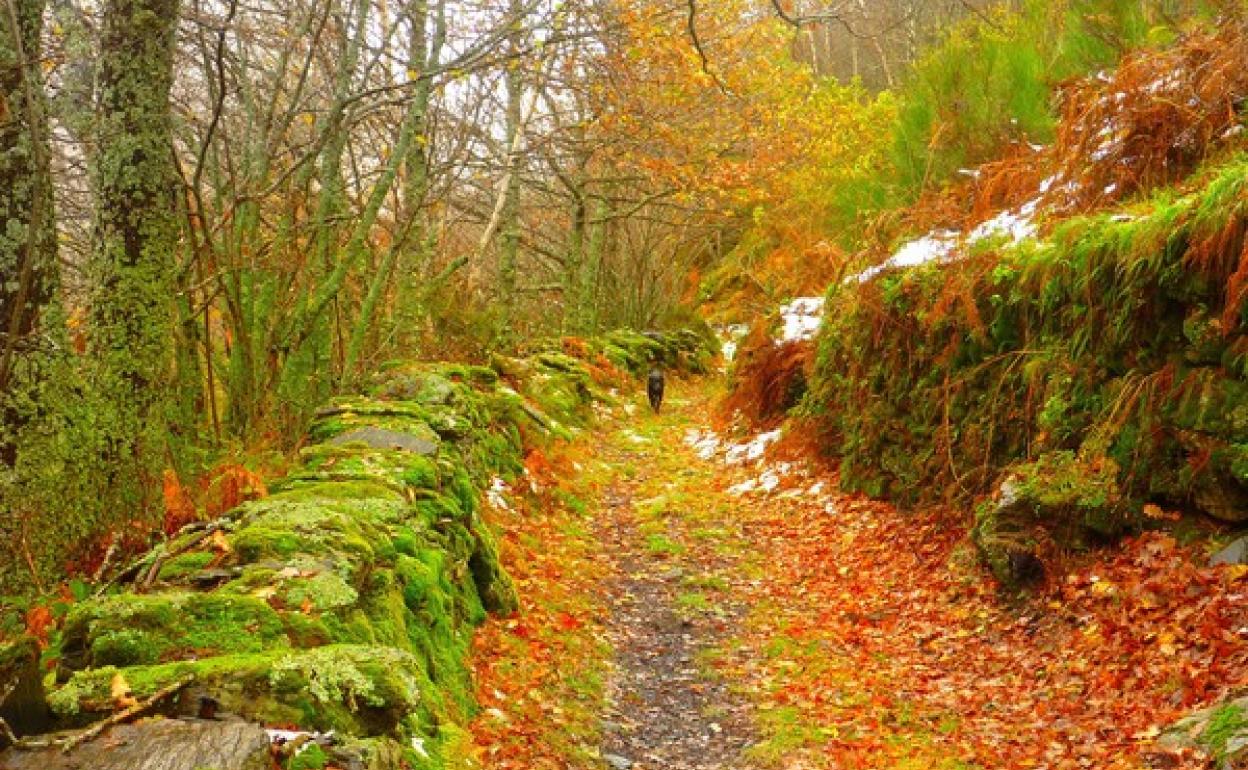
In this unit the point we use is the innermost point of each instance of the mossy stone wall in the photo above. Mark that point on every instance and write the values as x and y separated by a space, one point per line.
346 600
1116 343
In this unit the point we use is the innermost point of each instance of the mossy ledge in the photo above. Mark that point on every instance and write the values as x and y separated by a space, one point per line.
1101 368
346 600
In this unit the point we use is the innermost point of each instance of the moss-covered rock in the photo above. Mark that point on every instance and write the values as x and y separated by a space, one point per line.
1070 501
1219 731
138 629
1115 330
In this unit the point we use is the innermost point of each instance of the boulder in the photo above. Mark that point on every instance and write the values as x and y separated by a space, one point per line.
382 438
158 744
1223 499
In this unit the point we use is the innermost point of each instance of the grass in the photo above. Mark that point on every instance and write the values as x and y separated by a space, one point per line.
706 582
660 545
693 602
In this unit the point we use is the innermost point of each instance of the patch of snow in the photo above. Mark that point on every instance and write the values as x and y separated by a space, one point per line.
933 247
636 438
1016 225
706 444
801 318
730 337
743 488
750 451
1167 82
768 481
497 494
418 745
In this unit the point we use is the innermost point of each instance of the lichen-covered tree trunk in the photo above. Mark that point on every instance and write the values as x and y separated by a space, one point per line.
27 234
137 225
509 246
411 155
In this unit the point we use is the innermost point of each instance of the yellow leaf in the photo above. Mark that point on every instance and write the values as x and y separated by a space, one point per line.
219 543
120 691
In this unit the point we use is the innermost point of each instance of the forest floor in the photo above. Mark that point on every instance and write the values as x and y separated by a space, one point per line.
689 605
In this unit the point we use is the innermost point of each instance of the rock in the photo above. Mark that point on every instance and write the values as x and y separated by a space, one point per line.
436 390
1062 498
1221 731
158 744
1235 553
22 702
382 438
616 762
1223 499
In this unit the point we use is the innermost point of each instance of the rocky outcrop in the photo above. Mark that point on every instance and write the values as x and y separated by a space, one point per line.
345 601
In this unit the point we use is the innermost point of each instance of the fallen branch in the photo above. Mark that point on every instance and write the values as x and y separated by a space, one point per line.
7 738
125 715
166 555
132 572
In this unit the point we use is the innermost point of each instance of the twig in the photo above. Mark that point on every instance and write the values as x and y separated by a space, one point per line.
108 558
132 571
121 716
160 560
692 24
6 734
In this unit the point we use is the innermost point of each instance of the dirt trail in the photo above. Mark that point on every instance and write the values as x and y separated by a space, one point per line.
670 607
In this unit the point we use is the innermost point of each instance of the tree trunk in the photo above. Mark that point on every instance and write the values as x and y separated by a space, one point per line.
27 234
509 246
137 223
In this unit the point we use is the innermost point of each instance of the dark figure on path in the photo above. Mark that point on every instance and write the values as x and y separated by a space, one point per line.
654 388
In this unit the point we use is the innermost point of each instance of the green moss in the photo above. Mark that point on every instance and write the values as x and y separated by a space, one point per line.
321 591
311 757
185 564
359 581
1227 722
128 629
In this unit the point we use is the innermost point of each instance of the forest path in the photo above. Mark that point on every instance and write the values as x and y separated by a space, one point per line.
675 551
695 603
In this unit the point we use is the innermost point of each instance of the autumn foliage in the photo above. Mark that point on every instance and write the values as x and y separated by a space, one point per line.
537 672
875 627
769 378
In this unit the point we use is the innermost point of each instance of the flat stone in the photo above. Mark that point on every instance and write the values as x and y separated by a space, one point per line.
382 438
616 762
157 744
1235 553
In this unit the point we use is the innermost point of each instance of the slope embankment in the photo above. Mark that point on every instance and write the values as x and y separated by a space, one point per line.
1076 344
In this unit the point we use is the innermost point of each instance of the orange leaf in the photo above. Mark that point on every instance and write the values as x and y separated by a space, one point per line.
38 623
